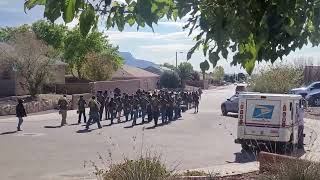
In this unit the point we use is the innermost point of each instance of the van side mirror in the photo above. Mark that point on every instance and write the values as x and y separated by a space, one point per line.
228 99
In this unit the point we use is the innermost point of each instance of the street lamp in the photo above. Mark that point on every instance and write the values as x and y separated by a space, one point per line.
180 52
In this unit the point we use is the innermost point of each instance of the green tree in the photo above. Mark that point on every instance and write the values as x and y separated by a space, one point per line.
185 70
169 66
53 34
218 73
78 46
204 66
258 30
8 33
169 79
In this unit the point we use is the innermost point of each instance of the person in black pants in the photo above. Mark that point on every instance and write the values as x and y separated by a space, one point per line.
155 109
82 109
94 113
20 112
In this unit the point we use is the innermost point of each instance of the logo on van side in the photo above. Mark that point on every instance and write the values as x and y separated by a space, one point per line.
263 112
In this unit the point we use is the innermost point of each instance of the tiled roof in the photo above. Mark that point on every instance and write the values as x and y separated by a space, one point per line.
132 72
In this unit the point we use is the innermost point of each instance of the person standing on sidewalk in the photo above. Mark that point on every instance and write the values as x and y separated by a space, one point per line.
63 108
94 113
20 112
82 109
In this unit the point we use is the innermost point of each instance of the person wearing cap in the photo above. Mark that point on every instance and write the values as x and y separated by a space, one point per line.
20 113
63 108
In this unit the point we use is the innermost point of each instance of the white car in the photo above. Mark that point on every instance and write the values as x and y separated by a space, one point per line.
304 91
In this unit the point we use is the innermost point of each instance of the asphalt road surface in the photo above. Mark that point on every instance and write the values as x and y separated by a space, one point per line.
43 150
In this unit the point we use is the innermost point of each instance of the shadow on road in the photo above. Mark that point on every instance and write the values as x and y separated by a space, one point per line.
74 124
84 131
138 124
159 125
245 156
10 132
52 127
232 115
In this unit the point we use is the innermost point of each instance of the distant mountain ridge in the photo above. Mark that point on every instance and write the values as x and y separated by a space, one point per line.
132 61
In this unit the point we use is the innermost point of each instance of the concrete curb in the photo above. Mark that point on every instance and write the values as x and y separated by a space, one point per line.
228 169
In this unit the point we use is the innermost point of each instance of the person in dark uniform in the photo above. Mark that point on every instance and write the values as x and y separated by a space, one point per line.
106 107
170 108
163 109
131 107
135 109
143 106
101 100
94 113
149 108
82 109
155 109
196 102
126 107
20 113
119 108
112 108
178 104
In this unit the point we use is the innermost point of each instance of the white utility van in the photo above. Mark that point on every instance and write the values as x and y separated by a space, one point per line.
272 120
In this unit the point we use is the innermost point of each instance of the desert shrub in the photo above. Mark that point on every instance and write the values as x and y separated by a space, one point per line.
277 79
293 170
169 79
143 168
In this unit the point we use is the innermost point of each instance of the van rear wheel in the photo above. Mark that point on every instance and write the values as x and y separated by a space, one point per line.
246 147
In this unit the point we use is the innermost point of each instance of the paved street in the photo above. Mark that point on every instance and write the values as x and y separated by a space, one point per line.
45 151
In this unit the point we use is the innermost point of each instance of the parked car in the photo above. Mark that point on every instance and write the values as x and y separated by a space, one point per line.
304 91
313 98
241 88
230 105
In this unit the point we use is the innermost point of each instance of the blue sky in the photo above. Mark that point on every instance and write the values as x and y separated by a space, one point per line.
159 46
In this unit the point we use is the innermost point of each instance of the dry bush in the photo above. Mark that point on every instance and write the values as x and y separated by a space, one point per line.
293 170
279 78
98 67
143 168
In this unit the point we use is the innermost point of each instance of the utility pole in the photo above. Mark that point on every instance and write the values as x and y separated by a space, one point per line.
177 58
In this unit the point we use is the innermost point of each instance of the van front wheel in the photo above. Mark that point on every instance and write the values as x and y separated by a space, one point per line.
224 110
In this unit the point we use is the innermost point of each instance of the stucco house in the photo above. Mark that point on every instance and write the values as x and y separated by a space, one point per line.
148 80
10 79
